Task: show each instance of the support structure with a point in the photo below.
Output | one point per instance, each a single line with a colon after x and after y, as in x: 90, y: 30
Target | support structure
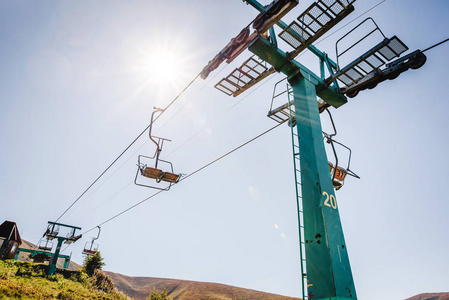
x: 43, y: 253
x: 52, y: 233
x: 328, y: 270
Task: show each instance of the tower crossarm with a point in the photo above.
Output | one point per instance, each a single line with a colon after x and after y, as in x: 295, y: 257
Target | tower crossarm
x: 321, y: 55
x: 278, y: 59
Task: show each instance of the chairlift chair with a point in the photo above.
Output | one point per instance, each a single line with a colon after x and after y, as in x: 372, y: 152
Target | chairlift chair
x: 338, y: 173
x: 338, y: 176
x: 52, y: 231
x: 71, y: 237
x: 91, y: 248
x: 154, y: 172
x: 46, y: 245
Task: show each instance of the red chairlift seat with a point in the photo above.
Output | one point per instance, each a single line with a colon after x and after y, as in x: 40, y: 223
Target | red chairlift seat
x: 338, y: 174
x: 90, y: 248
x: 89, y: 252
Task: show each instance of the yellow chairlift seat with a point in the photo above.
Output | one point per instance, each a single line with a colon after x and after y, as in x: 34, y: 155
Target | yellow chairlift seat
x: 152, y: 173
x: 338, y: 175
x: 159, y: 175
x: 170, y: 177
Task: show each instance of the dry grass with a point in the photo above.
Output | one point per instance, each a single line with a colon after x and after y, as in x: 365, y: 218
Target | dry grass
x: 25, y: 280
x: 140, y: 287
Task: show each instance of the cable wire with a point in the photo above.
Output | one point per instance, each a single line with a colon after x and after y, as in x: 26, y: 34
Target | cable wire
x: 187, y: 176
x: 126, y: 149
x: 437, y: 44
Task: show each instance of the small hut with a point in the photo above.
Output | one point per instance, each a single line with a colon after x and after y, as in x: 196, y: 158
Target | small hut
x: 9, y: 240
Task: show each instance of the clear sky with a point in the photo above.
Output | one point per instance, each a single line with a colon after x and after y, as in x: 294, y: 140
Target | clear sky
x: 79, y: 80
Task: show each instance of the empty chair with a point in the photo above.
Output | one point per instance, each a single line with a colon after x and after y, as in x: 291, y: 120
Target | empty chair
x: 338, y: 175
x: 90, y: 249
x: 45, y: 245
x: 154, y: 172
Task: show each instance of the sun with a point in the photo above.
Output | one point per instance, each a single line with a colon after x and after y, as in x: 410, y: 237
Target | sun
x: 161, y: 67
x: 165, y: 67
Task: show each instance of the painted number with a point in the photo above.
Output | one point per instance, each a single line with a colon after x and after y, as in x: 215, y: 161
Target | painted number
x: 330, y: 200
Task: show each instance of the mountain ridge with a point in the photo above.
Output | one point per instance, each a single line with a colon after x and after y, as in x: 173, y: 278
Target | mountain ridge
x: 140, y: 287
x: 177, y: 289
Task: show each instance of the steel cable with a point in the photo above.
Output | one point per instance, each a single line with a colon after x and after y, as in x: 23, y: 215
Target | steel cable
x: 126, y: 149
x: 187, y: 176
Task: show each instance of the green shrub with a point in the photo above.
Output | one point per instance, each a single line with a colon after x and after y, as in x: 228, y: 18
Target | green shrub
x: 28, y: 269
x: 92, y: 263
x: 80, y: 277
x: 156, y: 296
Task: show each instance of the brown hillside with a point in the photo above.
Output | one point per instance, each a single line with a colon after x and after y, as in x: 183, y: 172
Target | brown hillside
x: 141, y: 287
x: 430, y: 296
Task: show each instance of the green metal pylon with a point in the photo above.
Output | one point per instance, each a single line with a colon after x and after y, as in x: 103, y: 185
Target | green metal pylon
x: 54, y: 258
x: 328, y: 270
x: 51, y: 233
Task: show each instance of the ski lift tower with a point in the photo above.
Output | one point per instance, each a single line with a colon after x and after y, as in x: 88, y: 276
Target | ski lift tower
x: 51, y: 233
x: 326, y: 272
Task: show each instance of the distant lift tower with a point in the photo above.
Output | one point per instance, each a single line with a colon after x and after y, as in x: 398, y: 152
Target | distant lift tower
x: 326, y: 271
x: 52, y: 232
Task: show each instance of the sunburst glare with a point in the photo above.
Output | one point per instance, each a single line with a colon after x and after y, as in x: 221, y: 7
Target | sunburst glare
x: 163, y: 66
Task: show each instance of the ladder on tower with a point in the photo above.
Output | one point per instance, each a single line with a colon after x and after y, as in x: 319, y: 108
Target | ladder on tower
x: 298, y: 187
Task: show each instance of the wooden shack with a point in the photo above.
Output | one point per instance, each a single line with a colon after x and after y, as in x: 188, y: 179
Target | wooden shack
x: 9, y: 240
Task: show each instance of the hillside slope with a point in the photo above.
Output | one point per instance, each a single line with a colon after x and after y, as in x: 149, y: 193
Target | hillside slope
x: 430, y: 296
x: 140, y: 287
x: 27, y: 280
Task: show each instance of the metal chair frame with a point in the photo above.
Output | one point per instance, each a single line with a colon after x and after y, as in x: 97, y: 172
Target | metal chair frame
x: 154, y: 172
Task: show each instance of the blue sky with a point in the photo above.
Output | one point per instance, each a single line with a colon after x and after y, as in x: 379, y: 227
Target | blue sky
x: 78, y: 84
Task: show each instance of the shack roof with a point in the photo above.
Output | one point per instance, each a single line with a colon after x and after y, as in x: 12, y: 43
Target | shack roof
x: 9, y: 231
